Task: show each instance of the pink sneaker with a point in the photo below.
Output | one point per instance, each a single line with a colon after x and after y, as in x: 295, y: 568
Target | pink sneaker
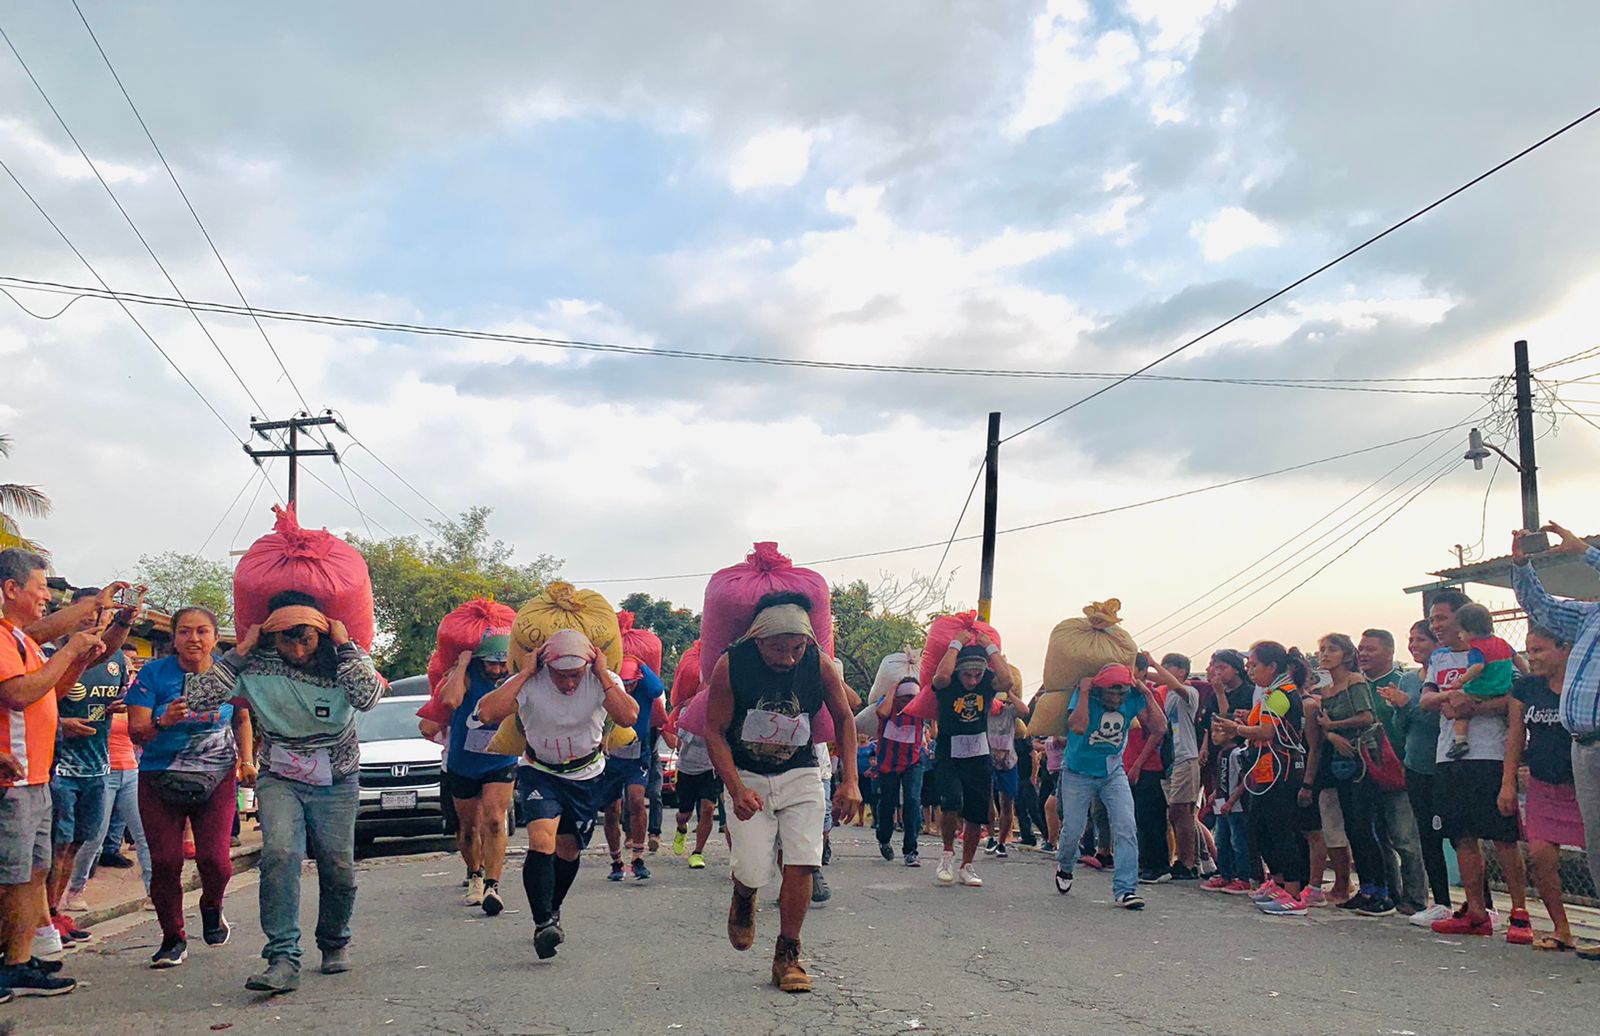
x: 1266, y: 892
x: 1313, y: 897
x: 1284, y: 905
x: 1214, y: 884
x: 1238, y: 887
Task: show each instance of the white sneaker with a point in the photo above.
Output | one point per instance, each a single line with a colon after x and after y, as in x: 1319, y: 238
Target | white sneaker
x: 1425, y: 918
x: 47, y: 944
x: 969, y: 877
x: 946, y: 874
x: 149, y: 905
x: 1208, y: 867
x: 474, y: 894
x: 1494, y: 918
x: 75, y: 903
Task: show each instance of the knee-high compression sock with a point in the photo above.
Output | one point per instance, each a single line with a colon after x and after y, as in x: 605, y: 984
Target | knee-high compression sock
x: 566, y: 872
x: 538, y: 881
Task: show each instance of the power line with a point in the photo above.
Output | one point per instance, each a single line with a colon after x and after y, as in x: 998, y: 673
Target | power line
x: 1362, y: 539
x: 1067, y: 518
x: 426, y: 531
x: 1578, y: 415
x: 190, y: 205
x: 428, y: 330
x: 266, y: 481
x: 143, y: 330
x: 41, y: 316
x: 977, y: 476
x: 1303, y: 279
x: 129, y: 219
x: 1582, y: 354
x: 254, y: 472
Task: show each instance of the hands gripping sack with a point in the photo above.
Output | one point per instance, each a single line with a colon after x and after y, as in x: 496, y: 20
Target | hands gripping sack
x: 561, y: 606
x: 463, y: 629
x: 941, y: 632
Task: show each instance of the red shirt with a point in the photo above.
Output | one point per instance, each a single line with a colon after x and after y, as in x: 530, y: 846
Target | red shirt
x: 1135, y: 745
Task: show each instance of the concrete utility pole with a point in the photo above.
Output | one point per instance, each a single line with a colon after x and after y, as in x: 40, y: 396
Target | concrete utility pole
x: 991, y: 509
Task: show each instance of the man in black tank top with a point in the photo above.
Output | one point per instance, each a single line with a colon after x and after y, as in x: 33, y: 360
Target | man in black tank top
x: 765, y: 694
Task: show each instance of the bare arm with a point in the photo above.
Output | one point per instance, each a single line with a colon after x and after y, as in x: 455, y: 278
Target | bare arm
x: 1516, y: 742
x: 947, y: 666
x: 835, y: 699
x: 719, y: 713
x: 454, y: 690
x: 619, y: 704
x: 58, y: 674
x: 1078, y: 721
x: 501, y: 702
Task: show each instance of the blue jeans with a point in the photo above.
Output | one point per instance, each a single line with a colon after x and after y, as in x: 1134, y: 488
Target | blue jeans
x: 1075, y: 794
x: 122, y: 798
x: 1233, y: 845
x: 901, y: 791
x: 296, y: 818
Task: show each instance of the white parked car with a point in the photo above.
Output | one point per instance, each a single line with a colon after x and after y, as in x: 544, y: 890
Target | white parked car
x: 400, y: 769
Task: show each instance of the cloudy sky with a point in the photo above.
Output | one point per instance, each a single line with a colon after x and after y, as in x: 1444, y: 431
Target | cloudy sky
x: 1070, y: 186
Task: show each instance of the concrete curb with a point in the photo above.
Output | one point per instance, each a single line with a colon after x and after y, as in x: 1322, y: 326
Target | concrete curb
x: 245, y: 858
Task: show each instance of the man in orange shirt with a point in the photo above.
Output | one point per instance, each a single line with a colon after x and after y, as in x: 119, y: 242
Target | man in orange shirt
x: 29, y: 687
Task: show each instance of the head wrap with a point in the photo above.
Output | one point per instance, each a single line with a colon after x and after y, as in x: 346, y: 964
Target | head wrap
x: 972, y: 659
x: 778, y: 620
x: 1114, y: 675
x: 293, y: 615
x: 494, y: 647
x: 907, y: 687
x: 566, y: 650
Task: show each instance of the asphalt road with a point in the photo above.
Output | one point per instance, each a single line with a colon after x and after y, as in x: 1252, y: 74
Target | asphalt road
x: 890, y: 953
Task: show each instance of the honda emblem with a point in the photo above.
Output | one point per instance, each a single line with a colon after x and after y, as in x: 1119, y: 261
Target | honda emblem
x: 400, y: 771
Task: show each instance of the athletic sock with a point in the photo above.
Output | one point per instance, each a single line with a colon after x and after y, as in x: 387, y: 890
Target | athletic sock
x: 566, y: 872
x: 538, y: 880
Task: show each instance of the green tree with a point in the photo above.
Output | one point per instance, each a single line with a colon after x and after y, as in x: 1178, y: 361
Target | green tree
x: 416, y: 583
x: 677, y: 627
x: 18, y: 501
x: 870, y: 622
x: 177, y: 580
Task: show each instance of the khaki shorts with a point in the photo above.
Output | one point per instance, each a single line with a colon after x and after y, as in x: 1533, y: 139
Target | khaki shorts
x: 26, y: 819
x: 1332, y: 819
x: 792, y: 817
x: 1183, y: 787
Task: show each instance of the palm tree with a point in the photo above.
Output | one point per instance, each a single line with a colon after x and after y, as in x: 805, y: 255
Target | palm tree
x: 18, y: 500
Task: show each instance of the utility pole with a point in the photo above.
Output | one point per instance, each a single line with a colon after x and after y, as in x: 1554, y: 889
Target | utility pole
x: 991, y: 508
x: 293, y: 451
x: 1526, y: 465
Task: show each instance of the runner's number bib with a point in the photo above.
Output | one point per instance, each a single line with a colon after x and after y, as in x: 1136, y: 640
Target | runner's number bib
x: 762, y: 727
x: 631, y: 750
x: 969, y: 746
x: 905, y: 734
x: 314, y: 767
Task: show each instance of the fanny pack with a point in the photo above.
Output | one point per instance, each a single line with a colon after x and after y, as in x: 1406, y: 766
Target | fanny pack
x: 560, y: 769
x: 187, y: 788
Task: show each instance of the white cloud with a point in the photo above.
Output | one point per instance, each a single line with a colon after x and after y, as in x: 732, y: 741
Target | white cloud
x: 1071, y: 67
x: 1176, y: 25
x: 776, y: 158
x: 1231, y: 231
x: 61, y: 162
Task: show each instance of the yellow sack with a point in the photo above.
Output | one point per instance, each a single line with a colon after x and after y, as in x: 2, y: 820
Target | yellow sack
x: 560, y: 607
x: 619, y: 737
x: 1078, y: 648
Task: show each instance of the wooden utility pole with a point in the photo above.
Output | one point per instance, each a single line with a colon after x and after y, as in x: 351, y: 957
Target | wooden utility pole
x: 991, y: 510
x: 292, y: 451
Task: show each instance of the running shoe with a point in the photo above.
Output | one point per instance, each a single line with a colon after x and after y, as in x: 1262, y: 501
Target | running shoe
x: 1314, y: 897
x: 214, y: 928
x: 616, y: 871
x: 1182, y: 873
x: 1459, y: 923
x: 48, y: 944
x: 696, y: 862
x: 1063, y: 882
x: 69, y: 931
x: 492, y: 903
x: 1048, y: 848
x: 1521, y: 931
x: 114, y: 860
x: 1238, y: 887
x: 1130, y: 901
x: 912, y: 861
x: 1284, y: 905
x: 640, y: 871
x: 1154, y: 877
x: 1000, y: 853
x: 546, y: 938
x: 969, y: 877
x: 990, y: 847
x: 474, y: 894
x: 1266, y: 892
x: 173, y: 952
x: 886, y: 850
x: 1090, y: 861
x: 1215, y: 884
x: 23, y: 980
x: 820, y: 892
x: 75, y: 902
x: 1379, y: 905
x: 946, y: 875
x: 1208, y: 867
x: 1425, y: 918
x: 680, y: 841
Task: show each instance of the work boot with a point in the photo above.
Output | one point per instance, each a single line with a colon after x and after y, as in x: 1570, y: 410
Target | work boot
x: 742, y: 920
x: 281, y: 976
x: 334, y: 962
x: 787, y: 974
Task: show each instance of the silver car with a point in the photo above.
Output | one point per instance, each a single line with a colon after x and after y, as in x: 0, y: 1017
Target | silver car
x: 400, y: 769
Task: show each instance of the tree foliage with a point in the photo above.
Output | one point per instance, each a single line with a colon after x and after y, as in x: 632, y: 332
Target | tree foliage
x: 416, y: 583
x: 677, y: 627
x: 873, y: 621
x: 178, y: 580
x: 19, y: 501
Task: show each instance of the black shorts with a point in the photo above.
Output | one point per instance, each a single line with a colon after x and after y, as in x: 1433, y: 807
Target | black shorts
x: 963, y: 786
x: 1464, y: 801
x: 698, y: 787
x: 459, y: 787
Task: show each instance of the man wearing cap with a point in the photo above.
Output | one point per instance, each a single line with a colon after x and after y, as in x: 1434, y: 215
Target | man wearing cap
x: 628, y: 771
x: 764, y: 693
x: 1102, y: 708
x: 561, y: 704
x: 478, y: 780
x: 970, y: 674
x: 304, y: 680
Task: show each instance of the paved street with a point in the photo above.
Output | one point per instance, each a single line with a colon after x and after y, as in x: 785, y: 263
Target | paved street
x: 891, y: 953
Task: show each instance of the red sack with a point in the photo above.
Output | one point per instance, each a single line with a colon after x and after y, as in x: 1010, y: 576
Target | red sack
x: 686, y: 681
x: 640, y: 642
x: 731, y: 597
x: 944, y: 629
x: 315, y: 562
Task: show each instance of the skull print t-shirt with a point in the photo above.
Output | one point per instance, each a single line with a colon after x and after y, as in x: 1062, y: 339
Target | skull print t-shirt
x: 1097, y: 752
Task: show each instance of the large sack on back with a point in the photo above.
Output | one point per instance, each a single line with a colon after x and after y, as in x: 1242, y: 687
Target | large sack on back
x: 463, y: 629
x: 639, y: 642
x: 315, y: 562
x: 732, y: 593
x: 1079, y: 648
x: 944, y: 629
x: 686, y: 681
x: 562, y: 606
x: 894, y: 668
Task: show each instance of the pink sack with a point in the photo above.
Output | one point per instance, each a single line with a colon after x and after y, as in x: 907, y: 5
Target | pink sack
x: 640, y: 642
x: 463, y: 629
x: 941, y: 632
x: 314, y: 562
x: 731, y: 597
x: 686, y: 681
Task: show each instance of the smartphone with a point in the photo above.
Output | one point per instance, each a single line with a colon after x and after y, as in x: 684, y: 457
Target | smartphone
x: 1535, y: 543
x: 1141, y: 662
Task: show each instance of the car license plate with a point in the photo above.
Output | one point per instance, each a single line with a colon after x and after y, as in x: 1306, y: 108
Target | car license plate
x: 397, y: 800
